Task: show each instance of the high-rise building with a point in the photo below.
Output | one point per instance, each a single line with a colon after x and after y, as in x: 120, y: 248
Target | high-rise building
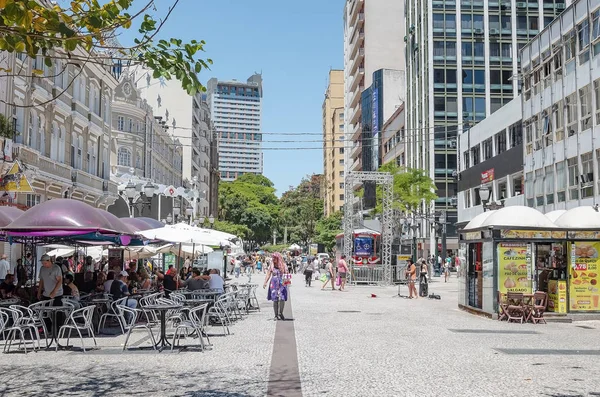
x: 461, y: 58
x: 236, y: 109
x: 333, y: 143
x: 373, y: 32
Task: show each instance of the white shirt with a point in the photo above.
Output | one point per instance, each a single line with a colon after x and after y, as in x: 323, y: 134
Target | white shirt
x: 107, y: 285
x: 4, y: 268
x: 216, y: 282
x: 237, y: 263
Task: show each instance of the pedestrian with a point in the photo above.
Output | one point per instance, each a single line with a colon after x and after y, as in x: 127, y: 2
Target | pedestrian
x: 342, y: 271
x: 237, y: 266
x: 51, y: 286
x: 411, y: 276
x: 330, y: 276
x: 4, y: 268
x: 21, y: 273
x: 277, y: 292
x: 308, y: 271
x: 446, y: 270
x: 423, y: 277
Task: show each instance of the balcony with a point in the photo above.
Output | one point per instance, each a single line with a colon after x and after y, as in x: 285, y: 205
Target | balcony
x: 356, y: 165
x: 356, y: 150
x: 356, y: 130
x: 355, y: 102
x: 356, y: 9
x: 44, y: 165
x: 358, y: 80
x: 357, y: 43
x: 87, y: 180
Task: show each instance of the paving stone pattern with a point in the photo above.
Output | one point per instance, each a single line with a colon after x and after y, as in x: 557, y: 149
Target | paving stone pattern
x: 348, y: 344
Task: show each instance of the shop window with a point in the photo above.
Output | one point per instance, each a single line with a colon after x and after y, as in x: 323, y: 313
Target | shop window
x: 587, y: 175
x: 561, y: 182
x: 539, y: 187
x: 549, y: 182
x: 573, y: 173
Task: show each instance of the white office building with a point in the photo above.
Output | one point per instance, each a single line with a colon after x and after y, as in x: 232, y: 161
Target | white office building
x: 561, y: 111
x: 373, y: 32
x: 236, y: 109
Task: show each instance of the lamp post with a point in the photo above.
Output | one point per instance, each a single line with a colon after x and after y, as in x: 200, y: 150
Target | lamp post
x: 211, y: 220
x: 484, y: 196
x: 132, y: 193
x: 442, y: 221
x: 201, y: 220
x: 188, y: 212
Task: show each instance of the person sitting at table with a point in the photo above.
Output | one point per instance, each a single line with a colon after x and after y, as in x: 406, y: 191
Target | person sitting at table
x: 170, y: 280
x: 144, y: 278
x: 110, y: 277
x: 196, y: 282
x: 100, y: 279
x: 7, y: 287
x: 215, y: 281
x: 89, y: 285
x: 70, y: 288
x: 119, y: 289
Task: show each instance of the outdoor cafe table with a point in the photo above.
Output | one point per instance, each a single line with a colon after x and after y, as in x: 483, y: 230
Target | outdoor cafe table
x: 206, y: 294
x: 9, y: 302
x: 163, y: 309
x: 53, y: 310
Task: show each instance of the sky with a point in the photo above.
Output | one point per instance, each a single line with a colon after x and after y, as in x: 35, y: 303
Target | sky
x: 294, y: 44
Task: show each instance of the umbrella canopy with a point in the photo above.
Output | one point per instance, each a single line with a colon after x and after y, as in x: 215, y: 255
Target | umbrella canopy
x: 136, y: 224
x: 294, y: 247
x: 60, y: 217
x: 185, y: 248
x: 184, y: 233
x: 9, y: 214
x: 117, y: 223
x: 154, y: 224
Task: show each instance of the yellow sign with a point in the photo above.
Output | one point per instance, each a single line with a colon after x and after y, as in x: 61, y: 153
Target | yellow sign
x: 512, y: 268
x: 584, y: 234
x: 583, y: 282
x: 473, y: 236
x: 15, y: 181
x: 532, y: 234
x: 557, y: 296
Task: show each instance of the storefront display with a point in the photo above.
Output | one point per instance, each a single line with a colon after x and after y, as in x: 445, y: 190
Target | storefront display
x: 584, y: 281
x: 514, y: 273
x: 557, y: 296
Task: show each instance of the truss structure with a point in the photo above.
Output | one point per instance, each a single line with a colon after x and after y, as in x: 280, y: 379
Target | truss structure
x: 387, y: 181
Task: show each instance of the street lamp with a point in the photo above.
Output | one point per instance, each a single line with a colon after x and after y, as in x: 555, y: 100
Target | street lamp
x: 149, y: 189
x: 443, y: 222
x: 176, y: 213
x: 211, y: 220
x: 484, y: 196
x: 201, y: 221
x: 188, y: 212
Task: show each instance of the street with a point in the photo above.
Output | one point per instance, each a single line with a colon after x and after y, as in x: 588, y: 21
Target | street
x: 346, y: 344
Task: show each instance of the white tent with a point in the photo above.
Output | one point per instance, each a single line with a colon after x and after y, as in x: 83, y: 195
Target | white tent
x: 65, y: 251
x: 295, y: 247
x: 185, y: 249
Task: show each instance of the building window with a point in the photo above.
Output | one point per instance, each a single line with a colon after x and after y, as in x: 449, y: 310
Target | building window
x: 558, y: 116
x: 570, y: 51
x: 561, y: 182
x: 572, y: 169
x: 539, y: 187
x: 518, y: 185
x: 33, y: 199
x: 587, y: 175
x: 501, y: 142
x: 341, y: 185
x: 549, y: 182
x: 121, y: 123
x: 585, y: 98
x: 583, y: 37
x: 515, y: 134
x: 487, y: 149
x: 571, y: 102
x: 467, y: 162
x: 529, y: 188
x: 342, y: 197
x: 467, y: 196
x: 475, y: 152
x: 124, y: 157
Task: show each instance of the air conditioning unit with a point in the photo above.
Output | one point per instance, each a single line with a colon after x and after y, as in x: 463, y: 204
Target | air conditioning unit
x: 521, y: 5
x: 478, y: 31
x: 494, y: 31
x: 453, y: 144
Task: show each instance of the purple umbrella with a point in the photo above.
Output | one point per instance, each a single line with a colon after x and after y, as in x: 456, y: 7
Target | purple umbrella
x: 9, y: 214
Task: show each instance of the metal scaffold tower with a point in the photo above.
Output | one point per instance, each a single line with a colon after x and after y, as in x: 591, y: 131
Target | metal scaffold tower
x: 387, y: 181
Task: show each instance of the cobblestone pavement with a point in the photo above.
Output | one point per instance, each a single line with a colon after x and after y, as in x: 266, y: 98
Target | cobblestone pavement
x: 347, y: 344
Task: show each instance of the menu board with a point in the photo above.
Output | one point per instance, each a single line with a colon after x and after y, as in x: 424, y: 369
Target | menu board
x: 557, y: 296
x: 584, y: 268
x: 513, y: 268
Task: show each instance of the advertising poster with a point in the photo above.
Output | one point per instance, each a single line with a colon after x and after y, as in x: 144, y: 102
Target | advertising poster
x: 557, y: 296
x: 513, y: 268
x: 363, y: 246
x: 583, y: 289
x: 169, y: 259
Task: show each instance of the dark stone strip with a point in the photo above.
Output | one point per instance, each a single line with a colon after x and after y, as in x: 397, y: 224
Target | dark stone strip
x: 284, y: 377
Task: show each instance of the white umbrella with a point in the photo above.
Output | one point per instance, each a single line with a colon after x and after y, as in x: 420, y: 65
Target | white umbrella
x: 185, y: 234
x: 295, y: 247
x: 186, y: 248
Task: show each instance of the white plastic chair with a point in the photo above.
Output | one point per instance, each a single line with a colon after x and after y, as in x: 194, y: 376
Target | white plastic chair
x: 131, y: 323
x: 115, y: 313
x: 86, y: 314
x: 19, y: 326
x: 195, y: 323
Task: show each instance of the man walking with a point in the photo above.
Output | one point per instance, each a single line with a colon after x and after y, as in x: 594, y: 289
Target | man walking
x: 4, y: 268
x: 51, y: 281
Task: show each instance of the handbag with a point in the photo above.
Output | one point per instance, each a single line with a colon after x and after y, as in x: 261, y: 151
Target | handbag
x: 323, y: 278
x: 287, y: 279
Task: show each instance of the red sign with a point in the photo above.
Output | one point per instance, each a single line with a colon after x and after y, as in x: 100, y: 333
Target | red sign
x: 487, y: 176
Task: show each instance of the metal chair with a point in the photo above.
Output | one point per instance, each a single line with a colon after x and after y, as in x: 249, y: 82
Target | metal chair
x: 131, y: 323
x: 114, y: 313
x: 86, y: 314
x: 19, y: 325
x: 218, y: 311
x: 32, y: 317
x: 195, y: 324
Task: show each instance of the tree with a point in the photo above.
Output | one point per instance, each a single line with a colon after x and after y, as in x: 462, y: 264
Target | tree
x: 301, y: 208
x: 86, y: 31
x: 241, y: 231
x: 327, y: 229
x: 411, y: 188
x: 6, y: 128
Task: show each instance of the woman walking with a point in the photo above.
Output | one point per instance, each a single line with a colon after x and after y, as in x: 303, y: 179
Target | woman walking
x: 342, y: 271
x: 277, y: 292
x: 330, y: 274
x: 308, y: 271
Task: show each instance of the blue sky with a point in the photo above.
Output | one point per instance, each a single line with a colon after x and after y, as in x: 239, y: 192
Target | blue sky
x: 294, y: 44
